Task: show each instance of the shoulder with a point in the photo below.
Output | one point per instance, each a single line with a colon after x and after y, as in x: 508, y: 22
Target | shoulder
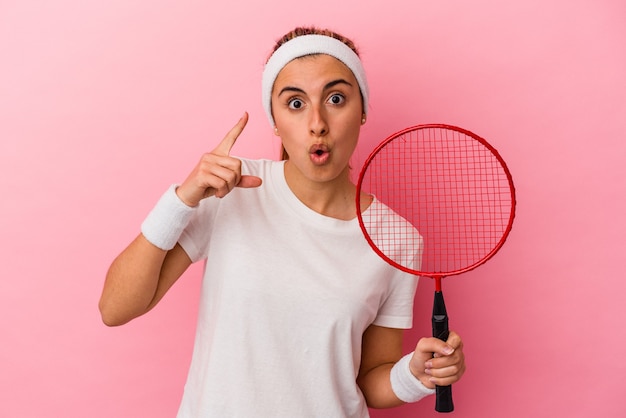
x: 259, y: 167
x: 379, y: 215
x: 406, y: 244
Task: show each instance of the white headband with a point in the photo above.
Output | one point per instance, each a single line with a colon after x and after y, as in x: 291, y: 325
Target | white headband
x: 309, y: 45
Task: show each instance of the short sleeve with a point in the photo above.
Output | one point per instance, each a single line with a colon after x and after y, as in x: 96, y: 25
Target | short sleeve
x: 397, y: 308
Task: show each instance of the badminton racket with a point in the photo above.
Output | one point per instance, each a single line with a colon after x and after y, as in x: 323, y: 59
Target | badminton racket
x: 443, y: 204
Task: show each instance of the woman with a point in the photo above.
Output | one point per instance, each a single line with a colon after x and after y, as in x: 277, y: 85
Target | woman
x: 298, y: 316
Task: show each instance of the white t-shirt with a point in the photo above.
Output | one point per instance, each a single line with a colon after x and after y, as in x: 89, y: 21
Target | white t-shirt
x: 286, y: 296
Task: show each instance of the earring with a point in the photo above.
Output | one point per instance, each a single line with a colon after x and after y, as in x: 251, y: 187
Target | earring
x: 363, y: 121
x: 275, y: 130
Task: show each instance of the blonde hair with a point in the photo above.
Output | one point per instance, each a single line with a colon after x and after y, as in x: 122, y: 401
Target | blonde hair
x: 312, y: 30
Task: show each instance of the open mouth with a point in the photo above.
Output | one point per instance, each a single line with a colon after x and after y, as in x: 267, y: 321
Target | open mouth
x: 319, y: 153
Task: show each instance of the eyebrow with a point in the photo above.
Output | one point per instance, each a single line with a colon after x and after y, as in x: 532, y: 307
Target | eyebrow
x: 328, y: 85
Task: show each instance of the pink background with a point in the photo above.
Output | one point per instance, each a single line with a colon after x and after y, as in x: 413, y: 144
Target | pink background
x: 105, y: 103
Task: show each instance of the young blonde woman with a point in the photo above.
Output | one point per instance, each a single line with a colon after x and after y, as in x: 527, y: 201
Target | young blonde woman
x: 298, y: 316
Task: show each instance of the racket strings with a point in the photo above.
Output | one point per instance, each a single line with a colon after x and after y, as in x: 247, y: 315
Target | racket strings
x: 450, y: 187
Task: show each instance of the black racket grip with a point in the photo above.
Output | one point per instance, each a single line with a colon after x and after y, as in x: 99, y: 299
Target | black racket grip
x: 443, y: 402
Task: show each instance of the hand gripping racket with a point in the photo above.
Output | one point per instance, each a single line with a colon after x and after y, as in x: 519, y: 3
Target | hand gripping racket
x: 454, y: 189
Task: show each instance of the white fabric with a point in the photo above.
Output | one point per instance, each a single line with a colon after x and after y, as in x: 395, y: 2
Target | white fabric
x: 405, y: 385
x: 308, y: 45
x: 286, y: 296
x: 167, y: 220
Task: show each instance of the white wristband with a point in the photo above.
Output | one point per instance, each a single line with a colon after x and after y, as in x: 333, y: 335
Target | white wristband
x: 167, y: 220
x: 405, y: 385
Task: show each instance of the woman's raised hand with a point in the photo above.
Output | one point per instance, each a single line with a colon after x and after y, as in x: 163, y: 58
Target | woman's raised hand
x: 217, y: 173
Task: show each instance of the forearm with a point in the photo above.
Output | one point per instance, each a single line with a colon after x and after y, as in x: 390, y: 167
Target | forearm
x: 376, y: 388
x: 137, y: 279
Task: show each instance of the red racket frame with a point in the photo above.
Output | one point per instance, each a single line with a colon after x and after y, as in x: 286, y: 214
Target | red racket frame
x: 433, y: 274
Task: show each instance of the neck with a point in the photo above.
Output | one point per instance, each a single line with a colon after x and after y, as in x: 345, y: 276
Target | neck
x: 333, y: 198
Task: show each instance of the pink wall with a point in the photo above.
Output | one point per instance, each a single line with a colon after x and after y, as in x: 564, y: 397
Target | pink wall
x: 103, y: 104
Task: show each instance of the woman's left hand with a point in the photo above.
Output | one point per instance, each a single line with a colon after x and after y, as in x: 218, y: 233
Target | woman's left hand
x: 437, y: 362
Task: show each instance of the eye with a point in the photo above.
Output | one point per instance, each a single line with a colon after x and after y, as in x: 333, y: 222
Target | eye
x: 336, y: 99
x: 295, y: 104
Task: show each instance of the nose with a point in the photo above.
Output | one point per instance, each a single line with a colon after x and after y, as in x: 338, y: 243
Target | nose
x: 317, y: 121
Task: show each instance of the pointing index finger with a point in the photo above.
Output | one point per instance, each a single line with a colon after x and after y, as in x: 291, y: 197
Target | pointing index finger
x: 229, y: 140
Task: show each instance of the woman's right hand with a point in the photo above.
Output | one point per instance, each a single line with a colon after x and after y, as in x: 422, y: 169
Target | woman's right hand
x: 217, y: 173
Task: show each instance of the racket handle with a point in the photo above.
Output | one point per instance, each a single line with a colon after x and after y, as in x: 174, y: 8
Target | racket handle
x: 443, y: 402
